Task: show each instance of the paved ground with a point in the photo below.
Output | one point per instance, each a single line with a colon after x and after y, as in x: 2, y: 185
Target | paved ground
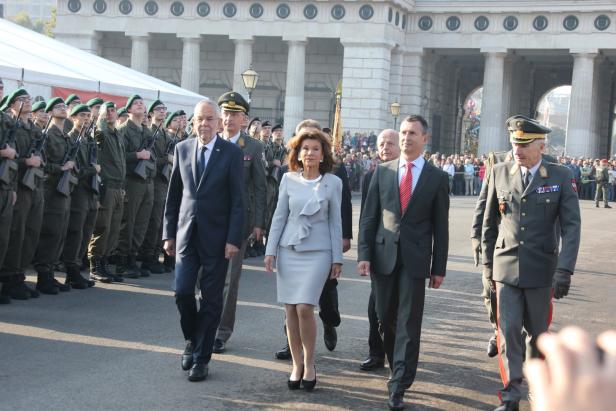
x: 117, y: 346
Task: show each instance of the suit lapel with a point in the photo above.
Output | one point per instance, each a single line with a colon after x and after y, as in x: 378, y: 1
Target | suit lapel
x: 393, y: 170
x: 515, y: 176
x: 214, y: 156
x: 535, y: 182
x: 193, y: 161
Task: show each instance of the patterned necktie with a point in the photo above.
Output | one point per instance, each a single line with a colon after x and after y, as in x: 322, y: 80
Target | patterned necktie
x: 201, y: 167
x: 527, y: 178
x: 406, y: 187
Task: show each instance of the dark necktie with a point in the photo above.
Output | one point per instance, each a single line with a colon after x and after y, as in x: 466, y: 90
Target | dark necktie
x: 201, y: 162
x: 527, y: 178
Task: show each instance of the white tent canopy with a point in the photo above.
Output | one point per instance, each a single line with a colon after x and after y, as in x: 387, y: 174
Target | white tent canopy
x: 34, y: 59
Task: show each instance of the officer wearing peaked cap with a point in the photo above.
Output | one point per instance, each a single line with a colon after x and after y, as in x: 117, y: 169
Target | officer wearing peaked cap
x: 526, y: 198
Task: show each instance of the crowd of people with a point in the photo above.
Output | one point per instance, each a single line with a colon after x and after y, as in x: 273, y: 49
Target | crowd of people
x: 127, y: 192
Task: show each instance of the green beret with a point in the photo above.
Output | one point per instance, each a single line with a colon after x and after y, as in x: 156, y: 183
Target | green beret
x: 109, y: 104
x: 52, y: 103
x: 80, y: 108
x: 153, y: 105
x: 524, y: 130
x: 122, y: 112
x: 252, y: 120
x: 94, y: 102
x: 266, y: 124
x: 232, y: 101
x: 71, y: 98
x: 39, y: 105
x: 181, y: 113
x: 277, y: 127
x: 12, y: 97
x: 170, y: 117
x: 131, y: 100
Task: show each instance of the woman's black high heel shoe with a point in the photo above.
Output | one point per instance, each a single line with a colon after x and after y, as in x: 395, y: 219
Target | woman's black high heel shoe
x: 308, y: 385
x: 294, y: 385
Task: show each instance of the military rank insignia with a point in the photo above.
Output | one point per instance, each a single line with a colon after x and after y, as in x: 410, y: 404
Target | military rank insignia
x: 574, y: 185
x: 548, y: 189
x: 247, y: 157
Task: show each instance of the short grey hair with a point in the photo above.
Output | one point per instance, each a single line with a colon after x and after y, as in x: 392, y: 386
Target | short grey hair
x: 387, y: 132
x: 209, y: 101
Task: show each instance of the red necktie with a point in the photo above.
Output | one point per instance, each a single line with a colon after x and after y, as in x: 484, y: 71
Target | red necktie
x: 406, y: 186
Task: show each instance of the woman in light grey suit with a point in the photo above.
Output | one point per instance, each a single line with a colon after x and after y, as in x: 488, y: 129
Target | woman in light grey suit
x: 305, y: 243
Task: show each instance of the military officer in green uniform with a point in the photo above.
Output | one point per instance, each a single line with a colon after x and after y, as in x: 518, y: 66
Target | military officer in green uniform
x: 139, y: 190
x: 57, y: 205
x: 526, y: 198
x: 234, y: 107
x: 84, y: 201
x: 8, y: 197
x: 112, y: 161
x: 28, y: 209
x: 152, y: 242
x: 602, y: 180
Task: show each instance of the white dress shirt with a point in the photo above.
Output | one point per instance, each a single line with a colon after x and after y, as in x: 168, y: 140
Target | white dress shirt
x: 418, y: 165
x: 235, y: 138
x: 208, y: 152
x: 532, y: 170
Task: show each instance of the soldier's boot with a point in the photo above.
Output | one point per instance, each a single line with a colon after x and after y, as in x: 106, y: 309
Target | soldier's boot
x: 74, y: 278
x: 5, y: 291
x: 124, y: 269
x: 21, y: 280
x: 169, y: 263
x: 62, y: 287
x: 45, y: 284
x: 107, y: 268
x: 152, y: 265
x: 132, y: 264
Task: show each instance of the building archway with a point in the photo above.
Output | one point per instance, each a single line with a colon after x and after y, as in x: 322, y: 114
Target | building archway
x: 553, y: 111
x: 471, y: 121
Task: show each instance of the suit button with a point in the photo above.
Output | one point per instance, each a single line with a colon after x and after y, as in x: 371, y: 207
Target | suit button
x: 523, y: 214
x: 523, y: 200
x: 522, y: 242
x: 523, y: 228
x: 547, y: 200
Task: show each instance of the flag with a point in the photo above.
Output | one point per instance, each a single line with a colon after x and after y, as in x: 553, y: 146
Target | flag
x: 337, y: 128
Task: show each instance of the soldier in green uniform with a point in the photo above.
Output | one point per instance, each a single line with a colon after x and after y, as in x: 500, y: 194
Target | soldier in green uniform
x: 71, y: 101
x: 112, y: 161
x: 525, y: 200
x: 8, y: 197
x: 152, y: 242
x: 84, y: 202
x: 94, y: 104
x: 602, y: 180
x: 122, y: 115
x: 39, y: 115
x: 139, y: 190
x: 28, y: 209
x: 57, y: 205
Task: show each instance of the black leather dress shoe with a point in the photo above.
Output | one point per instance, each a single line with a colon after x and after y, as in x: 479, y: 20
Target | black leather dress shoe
x: 219, y: 346
x: 330, y: 337
x: 508, y: 406
x: 284, y: 354
x: 187, y: 357
x: 198, y: 372
x: 395, y: 402
x: 371, y: 364
x: 492, y: 347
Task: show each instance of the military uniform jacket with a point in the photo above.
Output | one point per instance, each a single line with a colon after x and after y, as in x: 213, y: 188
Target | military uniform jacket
x: 254, y: 183
x: 85, y: 170
x: 134, y: 138
x: 111, y: 154
x: 519, y: 240
x: 25, y: 134
x: 160, y: 151
x: 5, y: 127
x: 58, y: 144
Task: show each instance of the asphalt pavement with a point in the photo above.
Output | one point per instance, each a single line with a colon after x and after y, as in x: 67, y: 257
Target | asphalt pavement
x: 118, y: 346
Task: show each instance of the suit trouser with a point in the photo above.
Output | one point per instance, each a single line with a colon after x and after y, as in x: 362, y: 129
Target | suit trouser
x: 53, y: 230
x: 601, y: 192
x: 489, y: 300
x: 6, y: 216
x: 375, y: 341
x: 108, y: 220
x: 80, y: 227
x: 519, y: 308
x: 137, y: 212
x: 152, y: 242
x: 232, y: 285
x: 399, y: 306
x: 199, y: 326
x: 25, y: 229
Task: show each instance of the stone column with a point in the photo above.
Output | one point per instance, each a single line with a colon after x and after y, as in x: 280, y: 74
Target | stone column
x: 395, y: 77
x: 492, y: 134
x: 581, y: 139
x: 294, y: 89
x: 365, y: 86
x: 140, y: 56
x: 191, y: 70
x: 243, y: 60
x: 412, y: 81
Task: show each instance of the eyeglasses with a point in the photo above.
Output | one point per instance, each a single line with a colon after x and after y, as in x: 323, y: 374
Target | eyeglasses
x: 59, y: 107
x: 160, y: 108
x: 24, y: 98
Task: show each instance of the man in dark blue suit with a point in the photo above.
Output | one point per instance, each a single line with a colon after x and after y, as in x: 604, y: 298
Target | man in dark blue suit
x: 203, y: 224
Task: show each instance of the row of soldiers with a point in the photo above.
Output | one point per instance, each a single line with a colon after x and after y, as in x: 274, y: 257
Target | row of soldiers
x: 82, y: 179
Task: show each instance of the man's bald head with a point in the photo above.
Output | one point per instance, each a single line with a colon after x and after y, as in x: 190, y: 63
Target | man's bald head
x: 388, y: 144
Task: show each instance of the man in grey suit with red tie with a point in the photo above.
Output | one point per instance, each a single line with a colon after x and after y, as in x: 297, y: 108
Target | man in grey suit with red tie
x: 403, y: 240
x: 203, y: 222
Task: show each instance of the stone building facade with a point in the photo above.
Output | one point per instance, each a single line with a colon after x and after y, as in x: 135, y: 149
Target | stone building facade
x: 428, y: 55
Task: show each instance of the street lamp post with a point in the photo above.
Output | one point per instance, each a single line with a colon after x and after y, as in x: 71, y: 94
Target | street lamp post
x: 395, y: 112
x: 250, y: 78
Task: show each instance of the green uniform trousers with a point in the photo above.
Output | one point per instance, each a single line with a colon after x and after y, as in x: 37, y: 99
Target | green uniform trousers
x: 56, y: 214
x: 602, y: 192
x: 137, y: 212
x: 80, y: 226
x: 6, y: 216
x: 152, y: 242
x: 25, y: 229
x: 108, y: 221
